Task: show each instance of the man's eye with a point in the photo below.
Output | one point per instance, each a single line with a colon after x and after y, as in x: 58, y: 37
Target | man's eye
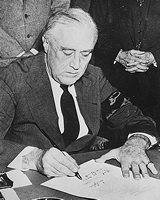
x: 67, y: 52
x: 85, y: 54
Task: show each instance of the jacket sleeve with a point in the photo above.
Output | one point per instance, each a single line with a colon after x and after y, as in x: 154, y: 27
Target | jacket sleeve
x: 9, y: 47
x: 8, y: 149
x: 122, y: 117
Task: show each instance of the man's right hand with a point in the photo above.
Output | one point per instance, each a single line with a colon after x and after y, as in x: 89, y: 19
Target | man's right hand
x: 51, y: 162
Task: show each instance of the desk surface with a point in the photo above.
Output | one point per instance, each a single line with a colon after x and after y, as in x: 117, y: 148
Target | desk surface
x: 36, y: 190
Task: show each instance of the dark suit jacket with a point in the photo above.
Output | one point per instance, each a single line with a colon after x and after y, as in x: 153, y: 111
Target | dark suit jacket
x: 28, y: 115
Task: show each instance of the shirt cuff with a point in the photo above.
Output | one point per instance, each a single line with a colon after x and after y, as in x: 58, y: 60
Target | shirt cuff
x: 34, y: 51
x: 154, y: 63
x: 19, y: 55
x: 17, y: 162
x: 152, y: 139
x: 117, y: 57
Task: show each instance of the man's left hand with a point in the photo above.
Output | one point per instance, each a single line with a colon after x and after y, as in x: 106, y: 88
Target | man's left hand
x: 132, y: 156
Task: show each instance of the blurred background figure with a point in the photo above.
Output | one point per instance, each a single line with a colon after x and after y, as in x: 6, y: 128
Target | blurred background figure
x: 128, y: 49
x: 22, y: 24
x: 83, y: 4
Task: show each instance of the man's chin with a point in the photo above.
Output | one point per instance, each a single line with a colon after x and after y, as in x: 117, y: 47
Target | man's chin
x: 71, y: 81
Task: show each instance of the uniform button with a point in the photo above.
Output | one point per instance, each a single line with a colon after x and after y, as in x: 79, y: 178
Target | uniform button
x: 28, y: 35
x: 139, y: 31
x: 140, y: 22
x: 26, y: 16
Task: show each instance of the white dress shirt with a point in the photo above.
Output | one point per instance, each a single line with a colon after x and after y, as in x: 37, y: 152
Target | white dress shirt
x: 57, y: 91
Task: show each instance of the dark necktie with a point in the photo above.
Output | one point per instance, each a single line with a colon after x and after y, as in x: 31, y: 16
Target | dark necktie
x: 71, y: 123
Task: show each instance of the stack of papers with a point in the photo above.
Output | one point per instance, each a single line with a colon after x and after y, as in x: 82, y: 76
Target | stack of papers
x: 103, y: 181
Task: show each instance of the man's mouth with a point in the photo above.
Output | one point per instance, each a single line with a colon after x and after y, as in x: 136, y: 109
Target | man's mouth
x: 72, y: 73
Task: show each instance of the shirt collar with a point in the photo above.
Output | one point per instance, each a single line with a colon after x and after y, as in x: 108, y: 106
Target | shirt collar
x: 56, y: 86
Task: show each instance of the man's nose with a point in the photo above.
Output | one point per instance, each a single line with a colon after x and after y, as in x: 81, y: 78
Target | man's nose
x: 75, y: 62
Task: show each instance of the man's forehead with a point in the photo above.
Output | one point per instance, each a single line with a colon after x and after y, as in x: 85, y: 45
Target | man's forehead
x: 74, y: 37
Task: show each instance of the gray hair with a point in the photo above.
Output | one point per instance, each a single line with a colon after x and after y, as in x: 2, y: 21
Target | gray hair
x: 69, y: 17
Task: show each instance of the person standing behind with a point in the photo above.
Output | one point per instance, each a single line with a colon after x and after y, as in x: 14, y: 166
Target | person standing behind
x: 128, y: 49
x: 21, y: 26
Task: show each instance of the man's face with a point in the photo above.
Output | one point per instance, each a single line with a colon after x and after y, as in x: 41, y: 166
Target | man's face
x: 69, y: 52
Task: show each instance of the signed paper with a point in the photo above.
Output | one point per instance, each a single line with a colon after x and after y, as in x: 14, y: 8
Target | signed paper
x: 103, y: 181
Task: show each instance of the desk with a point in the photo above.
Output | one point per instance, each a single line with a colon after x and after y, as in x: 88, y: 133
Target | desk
x: 36, y: 190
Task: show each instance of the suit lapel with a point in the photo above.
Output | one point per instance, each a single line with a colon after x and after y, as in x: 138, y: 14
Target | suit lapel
x: 42, y: 106
x: 88, y: 103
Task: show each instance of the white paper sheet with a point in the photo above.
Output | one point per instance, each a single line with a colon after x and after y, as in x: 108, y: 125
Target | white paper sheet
x: 19, y: 178
x: 9, y: 194
x: 105, y: 182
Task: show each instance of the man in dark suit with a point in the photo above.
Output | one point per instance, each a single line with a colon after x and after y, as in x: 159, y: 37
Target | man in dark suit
x: 129, y: 33
x: 32, y: 124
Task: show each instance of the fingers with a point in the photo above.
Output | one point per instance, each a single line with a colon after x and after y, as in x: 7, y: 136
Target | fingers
x: 125, y: 170
x: 137, y: 68
x: 138, y: 166
x: 152, y: 168
x: 57, y: 163
x: 54, y: 168
x: 134, y: 70
x: 137, y: 169
x: 136, y: 52
x: 50, y: 171
x: 144, y: 170
x: 70, y: 159
x: 138, y: 65
x: 111, y: 154
x: 131, y: 69
x: 136, y: 61
x: 99, y: 144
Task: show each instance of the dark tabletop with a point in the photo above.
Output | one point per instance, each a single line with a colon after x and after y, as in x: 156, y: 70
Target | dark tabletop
x: 36, y: 190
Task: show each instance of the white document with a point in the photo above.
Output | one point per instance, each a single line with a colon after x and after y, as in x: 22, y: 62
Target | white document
x: 105, y: 182
x: 9, y: 194
x: 19, y: 178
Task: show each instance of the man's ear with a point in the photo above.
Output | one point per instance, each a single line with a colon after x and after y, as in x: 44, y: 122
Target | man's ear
x: 45, y: 43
